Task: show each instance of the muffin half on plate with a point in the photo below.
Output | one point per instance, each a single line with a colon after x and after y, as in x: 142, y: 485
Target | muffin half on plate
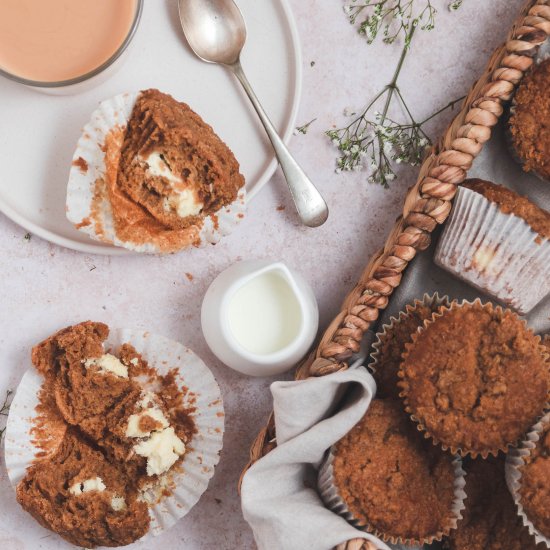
x: 150, y: 175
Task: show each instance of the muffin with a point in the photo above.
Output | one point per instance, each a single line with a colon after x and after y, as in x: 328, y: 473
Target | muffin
x: 116, y: 470
x: 529, y: 123
x: 149, y: 174
x: 84, y: 498
x: 489, y: 521
x: 390, y: 343
x: 535, y: 484
x: 93, y: 390
x: 388, y: 480
x: 528, y: 476
x: 498, y: 242
x: 475, y: 378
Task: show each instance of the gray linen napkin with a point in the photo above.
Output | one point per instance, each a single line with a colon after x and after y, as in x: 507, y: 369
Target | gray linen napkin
x: 278, y: 494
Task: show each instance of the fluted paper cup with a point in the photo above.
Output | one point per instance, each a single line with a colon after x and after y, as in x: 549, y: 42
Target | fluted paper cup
x: 187, y: 482
x: 497, y: 253
x: 95, y: 163
x: 515, y: 460
x: 332, y: 499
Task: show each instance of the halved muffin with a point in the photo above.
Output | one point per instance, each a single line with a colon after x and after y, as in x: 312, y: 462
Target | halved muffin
x: 83, y: 497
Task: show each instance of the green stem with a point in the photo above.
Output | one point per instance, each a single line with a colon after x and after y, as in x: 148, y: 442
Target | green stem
x: 449, y: 105
x: 413, y: 122
x: 392, y: 86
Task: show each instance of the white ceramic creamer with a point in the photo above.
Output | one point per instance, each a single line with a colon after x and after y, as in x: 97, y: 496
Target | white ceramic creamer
x: 259, y: 317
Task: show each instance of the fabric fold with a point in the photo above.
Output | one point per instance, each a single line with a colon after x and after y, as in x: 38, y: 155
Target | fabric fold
x: 278, y: 493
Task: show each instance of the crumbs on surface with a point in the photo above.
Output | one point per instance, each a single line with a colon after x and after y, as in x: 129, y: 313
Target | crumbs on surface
x: 81, y: 164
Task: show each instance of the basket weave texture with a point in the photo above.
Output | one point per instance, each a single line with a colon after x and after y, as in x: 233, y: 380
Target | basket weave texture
x: 427, y: 204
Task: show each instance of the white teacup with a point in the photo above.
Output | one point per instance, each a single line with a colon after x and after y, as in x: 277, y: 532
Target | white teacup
x: 259, y: 317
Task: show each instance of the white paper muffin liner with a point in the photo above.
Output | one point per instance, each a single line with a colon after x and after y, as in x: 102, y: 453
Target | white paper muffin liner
x: 190, y: 480
x: 111, y: 114
x: 332, y: 499
x: 427, y: 300
x: 494, y: 252
x: 514, y: 461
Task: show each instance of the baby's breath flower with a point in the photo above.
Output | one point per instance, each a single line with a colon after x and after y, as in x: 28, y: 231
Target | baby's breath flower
x: 372, y: 139
x: 391, y: 18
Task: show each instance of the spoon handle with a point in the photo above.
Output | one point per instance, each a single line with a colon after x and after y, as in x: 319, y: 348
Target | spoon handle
x: 311, y: 206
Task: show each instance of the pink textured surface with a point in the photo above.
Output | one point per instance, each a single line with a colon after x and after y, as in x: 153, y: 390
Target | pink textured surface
x: 45, y: 287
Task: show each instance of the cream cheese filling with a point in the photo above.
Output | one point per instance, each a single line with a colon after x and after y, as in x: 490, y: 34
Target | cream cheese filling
x: 161, y: 447
x: 108, y: 364
x: 183, y: 199
x: 87, y: 486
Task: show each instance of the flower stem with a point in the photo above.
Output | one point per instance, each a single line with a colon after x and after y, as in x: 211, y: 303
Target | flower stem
x: 449, y: 105
x: 392, y: 86
x: 4, y: 411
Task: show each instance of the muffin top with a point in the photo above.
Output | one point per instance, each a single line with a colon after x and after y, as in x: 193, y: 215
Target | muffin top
x: 392, y: 479
x: 490, y: 520
x: 535, y: 490
x: 475, y: 378
x: 510, y: 202
x: 530, y: 120
x: 391, y: 347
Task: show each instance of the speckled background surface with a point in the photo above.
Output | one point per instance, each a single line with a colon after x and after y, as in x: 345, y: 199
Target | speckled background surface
x: 45, y: 287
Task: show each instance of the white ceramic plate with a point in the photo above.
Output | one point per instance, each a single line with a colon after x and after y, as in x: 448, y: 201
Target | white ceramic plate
x: 38, y: 132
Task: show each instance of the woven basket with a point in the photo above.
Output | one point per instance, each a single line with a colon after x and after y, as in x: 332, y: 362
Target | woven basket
x: 427, y: 204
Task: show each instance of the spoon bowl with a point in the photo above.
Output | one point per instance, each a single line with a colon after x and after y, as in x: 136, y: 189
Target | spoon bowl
x: 216, y: 32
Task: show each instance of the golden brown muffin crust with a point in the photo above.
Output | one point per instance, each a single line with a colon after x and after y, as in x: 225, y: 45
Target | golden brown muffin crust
x: 391, y: 478
x: 530, y: 120
x: 535, y: 484
x: 512, y: 203
x: 490, y: 520
x: 392, y: 346
x: 475, y: 378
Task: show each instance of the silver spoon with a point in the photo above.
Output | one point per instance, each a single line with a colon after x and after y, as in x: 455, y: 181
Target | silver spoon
x: 216, y: 32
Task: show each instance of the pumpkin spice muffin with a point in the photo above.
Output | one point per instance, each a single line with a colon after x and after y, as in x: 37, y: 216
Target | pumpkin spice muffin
x: 392, y: 481
x: 490, y: 520
x: 158, y: 178
x: 510, y: 202
x: 390, y: 344
x: 534, y: 484
x: 475, y: 378
x: 173, y: 165
x: 122, y: 439
x: 529, y: 124
x: 498, y: 242
x: 93, y: 390
x: 83, y: 497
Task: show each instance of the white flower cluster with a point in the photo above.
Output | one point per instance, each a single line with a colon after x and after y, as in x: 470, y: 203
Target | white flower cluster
x: 391, y: 17
x: 378, y: 144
